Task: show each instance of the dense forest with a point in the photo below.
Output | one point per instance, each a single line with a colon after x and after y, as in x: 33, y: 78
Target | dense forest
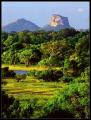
x: 67, y: 49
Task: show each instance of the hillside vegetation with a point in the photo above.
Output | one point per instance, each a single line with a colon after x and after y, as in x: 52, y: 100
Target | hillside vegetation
x: 57, y: 82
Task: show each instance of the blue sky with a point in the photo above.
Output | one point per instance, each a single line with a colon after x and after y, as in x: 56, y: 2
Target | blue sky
x: 40, y: 12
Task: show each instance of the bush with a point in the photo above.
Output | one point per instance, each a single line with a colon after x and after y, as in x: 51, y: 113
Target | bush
x: 4, y: 71
x: 66, y: 79
x: 51, y: 61
x: 11, y: 73
x: 31, y: 73
x: 11, y: 108
x: 7, y: 73
x: 84, y: 77
x: 6, y: 102
x: 74, y: 99
x: 20, y: 77
x: 47, y: 75
x: 43, y: 62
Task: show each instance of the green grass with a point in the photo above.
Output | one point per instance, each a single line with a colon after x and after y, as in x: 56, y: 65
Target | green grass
x: 23, y: 67
x: 31, y: 87
x: 33, y: 91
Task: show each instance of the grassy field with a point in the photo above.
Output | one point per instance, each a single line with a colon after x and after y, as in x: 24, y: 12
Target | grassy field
x: 32, y: 90
x: 22, y: 67
x: 36, y: 94
x: 31, y: 87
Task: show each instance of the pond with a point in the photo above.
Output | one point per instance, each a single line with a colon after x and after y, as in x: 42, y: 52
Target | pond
x: 21, y: 72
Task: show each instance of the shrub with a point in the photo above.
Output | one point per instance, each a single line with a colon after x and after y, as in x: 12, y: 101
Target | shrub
x: 11, y: 73
x: 51, y: 61
x: 42, y: 62
x: 47, y: 75
x: 20, y: 77
x: 31, y: 73
x: 7, y: 73
x: 11, y: 108
x: 75, y: 99
x: 6, y: 102
x: 66, y: 79
x: 84, y: 77
x: 4, y: 72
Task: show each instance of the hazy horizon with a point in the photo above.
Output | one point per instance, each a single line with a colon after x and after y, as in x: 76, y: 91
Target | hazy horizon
x: 40, y: 12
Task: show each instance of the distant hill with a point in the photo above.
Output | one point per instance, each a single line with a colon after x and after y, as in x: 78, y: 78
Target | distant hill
x: 20, y: 25
x: 56, y: 23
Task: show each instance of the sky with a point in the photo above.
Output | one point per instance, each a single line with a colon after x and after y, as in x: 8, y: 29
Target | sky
x: 41, y: 12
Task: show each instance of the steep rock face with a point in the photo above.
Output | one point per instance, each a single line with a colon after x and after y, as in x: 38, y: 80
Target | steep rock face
x: 20, y: 25
x: 59, y: 20
x: 57, y: 23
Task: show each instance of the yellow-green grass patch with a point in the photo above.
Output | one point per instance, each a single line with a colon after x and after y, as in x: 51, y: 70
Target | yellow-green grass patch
x: 31, y: 87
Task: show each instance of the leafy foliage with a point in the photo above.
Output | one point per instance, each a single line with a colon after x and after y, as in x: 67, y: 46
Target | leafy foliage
x: 73, y: 101
x: 7, y: 73
x: 67, y: 49
x: 48, y: 75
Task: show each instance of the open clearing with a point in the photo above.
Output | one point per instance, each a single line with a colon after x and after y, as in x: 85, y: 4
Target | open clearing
x: 31, y: 87
x: 22, y: 67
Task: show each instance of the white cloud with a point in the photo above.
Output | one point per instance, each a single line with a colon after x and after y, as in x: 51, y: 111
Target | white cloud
x: 80, y: 10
